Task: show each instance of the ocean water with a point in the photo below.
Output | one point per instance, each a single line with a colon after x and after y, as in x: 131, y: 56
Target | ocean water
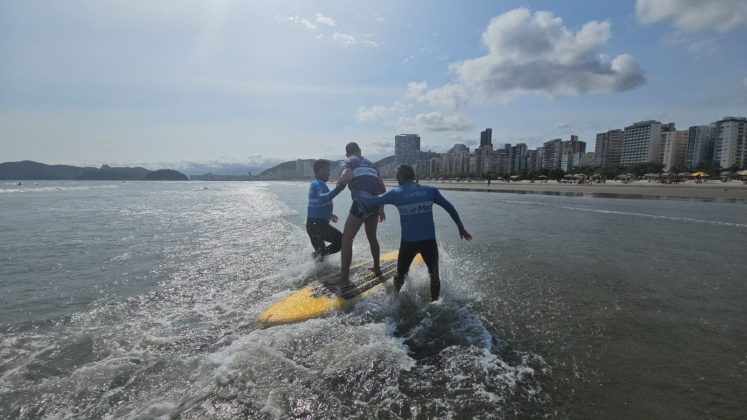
x: 140, y: 300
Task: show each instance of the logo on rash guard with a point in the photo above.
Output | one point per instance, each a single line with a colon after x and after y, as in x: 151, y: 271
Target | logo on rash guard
x: 416, y: 208
x: 361, y: 171
x: 314, y: 202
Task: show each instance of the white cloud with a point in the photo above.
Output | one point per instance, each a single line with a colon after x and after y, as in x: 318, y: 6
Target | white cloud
x: 449, y: 97
x: 379, y: 113
x: 437, y: 121
x: 536, y: 53
x: 300, y: 20
x: 346, y: 39
x: 325, y: 20
x: 691, y: 15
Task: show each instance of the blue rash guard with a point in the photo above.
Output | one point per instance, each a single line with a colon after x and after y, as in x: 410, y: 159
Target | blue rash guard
x: 415, y: 205
x: 320, y: 200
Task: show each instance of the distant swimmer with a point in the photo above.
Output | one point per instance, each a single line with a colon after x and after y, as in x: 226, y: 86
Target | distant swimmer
x: 359, y: 174
x: 415, y: 205
x: 319, y: 213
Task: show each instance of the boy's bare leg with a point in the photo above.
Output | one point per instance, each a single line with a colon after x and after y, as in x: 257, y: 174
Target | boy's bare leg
x: 352, y: 225
x: 371, y: 224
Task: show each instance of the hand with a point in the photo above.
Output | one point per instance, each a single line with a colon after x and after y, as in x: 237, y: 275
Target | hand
x: 334, y: 219
x: 464, y: 234
x: 340, y: 185
x: 382, y: 215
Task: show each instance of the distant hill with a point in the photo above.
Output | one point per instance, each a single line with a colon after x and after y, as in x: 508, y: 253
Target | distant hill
x: 166, y: 175
x: 29, y: 170
x: 38, y: 171
x: 107, y: 172
x: 386, y: 161
x: 279, y: 168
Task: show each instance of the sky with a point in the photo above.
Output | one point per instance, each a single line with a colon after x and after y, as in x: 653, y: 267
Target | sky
x: 174, y: 83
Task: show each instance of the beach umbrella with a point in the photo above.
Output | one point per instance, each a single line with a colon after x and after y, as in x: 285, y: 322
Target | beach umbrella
x: 514, y: 177
x: 545, y: 176
x: 743, y: 173
x: 683, y: 174
x: 701, y: 173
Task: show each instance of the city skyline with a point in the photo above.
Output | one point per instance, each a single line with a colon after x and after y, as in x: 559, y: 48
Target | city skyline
x: 229, y: 83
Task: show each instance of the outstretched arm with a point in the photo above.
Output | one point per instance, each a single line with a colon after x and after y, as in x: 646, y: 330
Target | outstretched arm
x: 329, y: 196
x: 441, y: 201
x: 367, y: 200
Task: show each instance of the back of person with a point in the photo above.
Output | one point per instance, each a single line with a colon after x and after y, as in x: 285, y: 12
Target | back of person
x: 365, y: 174
x: 415, y: 205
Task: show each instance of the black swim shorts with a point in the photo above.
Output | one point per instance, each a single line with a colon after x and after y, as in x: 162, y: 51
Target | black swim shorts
x: 361, y: 212
x: 428, y: 249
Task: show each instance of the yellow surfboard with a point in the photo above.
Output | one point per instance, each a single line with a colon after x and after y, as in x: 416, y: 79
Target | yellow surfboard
x: 320, y: 298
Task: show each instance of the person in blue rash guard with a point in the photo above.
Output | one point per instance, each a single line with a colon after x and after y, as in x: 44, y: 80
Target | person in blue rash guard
x: 319, y: 213
x: 415, y: 205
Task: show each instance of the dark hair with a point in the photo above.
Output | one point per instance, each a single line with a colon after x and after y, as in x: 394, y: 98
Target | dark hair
x: 352, y: 148
x: 406, y: 173
x: 319, y: 164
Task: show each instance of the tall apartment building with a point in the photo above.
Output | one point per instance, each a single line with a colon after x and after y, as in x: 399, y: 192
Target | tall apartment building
x: 486, y: 137
x: 551, y: 155
x: 700, y: 141
x: 673, y: 149
x: 608, y: 149
x: 305, y: 168
x: 642, y: 141
x: 534, y: 159
x: 485, y: 160
x: 518, y: 158
x: 455, y: 161
x: 558, y: 154
x: 731, y: 142
x: 406, y: 148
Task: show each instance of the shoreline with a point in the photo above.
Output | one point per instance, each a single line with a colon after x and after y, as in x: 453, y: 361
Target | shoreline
x: 733, y: 191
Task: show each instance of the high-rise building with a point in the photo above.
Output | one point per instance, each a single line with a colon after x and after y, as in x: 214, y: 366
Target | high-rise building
x: 534, y: 159
x: 559, y: 154
x: 700, y: 142
x: 518, y: 158
x: 608, y: 149
x: 673, y: 149
x: 486, y: 137
x: 731, y: 142
x: 551, y: 155
x: 455, y: 161
x: 641, y: 142
x: 406, y: 148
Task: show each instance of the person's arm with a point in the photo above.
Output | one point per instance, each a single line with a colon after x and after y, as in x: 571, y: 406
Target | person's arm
x: 446, y: 205
x: 329, y: 196
x: 382, y: 189
x: 345, y: 177
x: 369, y: 201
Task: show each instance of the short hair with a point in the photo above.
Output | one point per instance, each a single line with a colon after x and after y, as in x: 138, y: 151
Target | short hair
x: 319, y: 164
x: 352, y: 148
x: 406, y: 172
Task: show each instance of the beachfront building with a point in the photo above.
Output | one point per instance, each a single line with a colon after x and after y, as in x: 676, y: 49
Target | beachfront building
x: 534, y: 159
x: 305, y: 168
x: 673, y: 149
x: 641, y: 142
x: 608, y: 149
x: 455, y: 161
x: 587, y: 159
x: 486, y: 137
x: 406, y: 149
x: 551, y: 155
x: 731, y: 142
x: 427, y: 168
x: 700, y: 141
x: 518, y: 157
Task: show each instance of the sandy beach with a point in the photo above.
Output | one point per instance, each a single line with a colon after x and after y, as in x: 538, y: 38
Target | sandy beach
x: 733, y: 191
